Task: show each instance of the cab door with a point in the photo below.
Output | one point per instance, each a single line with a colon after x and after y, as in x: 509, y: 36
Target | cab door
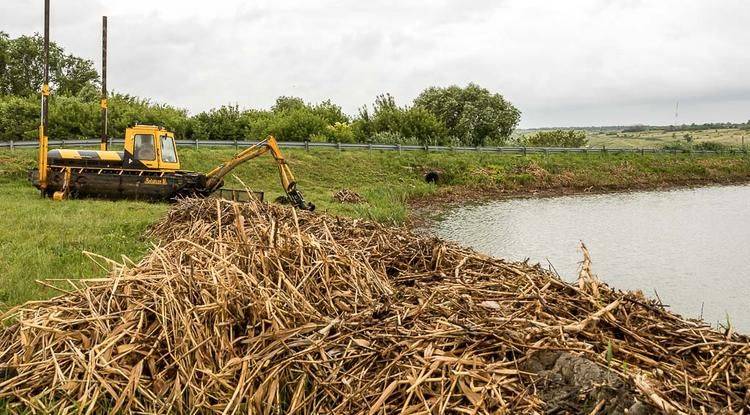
x: 168, y: 159
x: 144, y: 149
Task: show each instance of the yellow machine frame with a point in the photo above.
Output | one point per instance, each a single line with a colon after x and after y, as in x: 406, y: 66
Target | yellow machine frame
x: 287, y: 178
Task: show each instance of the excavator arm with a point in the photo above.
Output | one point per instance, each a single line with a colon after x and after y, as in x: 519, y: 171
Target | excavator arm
x: 215, y: 178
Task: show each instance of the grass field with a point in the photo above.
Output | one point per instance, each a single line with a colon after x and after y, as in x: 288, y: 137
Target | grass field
x: 731, y: 137
x: 42, y: 239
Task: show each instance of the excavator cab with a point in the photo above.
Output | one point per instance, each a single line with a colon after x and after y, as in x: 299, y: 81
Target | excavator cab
x: 150, y: 147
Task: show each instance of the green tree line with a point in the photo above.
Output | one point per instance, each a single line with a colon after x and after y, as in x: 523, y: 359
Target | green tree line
x: 470, y: 115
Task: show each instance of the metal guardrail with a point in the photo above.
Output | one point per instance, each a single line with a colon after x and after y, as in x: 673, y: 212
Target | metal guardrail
x: 384, y: 147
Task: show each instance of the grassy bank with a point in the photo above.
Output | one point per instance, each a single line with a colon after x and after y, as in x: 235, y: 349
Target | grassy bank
x: 43, y: 239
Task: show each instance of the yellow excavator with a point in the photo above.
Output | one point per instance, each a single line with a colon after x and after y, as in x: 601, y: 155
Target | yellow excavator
x: 148, y: 168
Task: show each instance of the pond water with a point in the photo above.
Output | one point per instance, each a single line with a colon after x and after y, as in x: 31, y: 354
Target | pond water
x: 689, y: 246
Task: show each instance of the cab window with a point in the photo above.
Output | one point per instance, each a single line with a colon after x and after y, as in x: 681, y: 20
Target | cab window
x: 168, y: 153
x: 144, y: 147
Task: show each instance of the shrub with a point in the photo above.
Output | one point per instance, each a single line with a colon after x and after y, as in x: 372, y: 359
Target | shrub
x: 340, y: 133
x: 19, y: 118
x: 297, y: 125
x: 414, y: 124
x: 677, y: 145
x: 557, y: 138
x: 71, y: 117
x: 703, y: 146
x: 711, y: 146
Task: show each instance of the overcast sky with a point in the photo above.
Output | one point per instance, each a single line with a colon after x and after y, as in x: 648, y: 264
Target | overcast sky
x: 562, y: 63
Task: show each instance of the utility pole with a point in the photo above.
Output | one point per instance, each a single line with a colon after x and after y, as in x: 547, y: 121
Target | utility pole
x: 43, y: 142
x: 103, y: 145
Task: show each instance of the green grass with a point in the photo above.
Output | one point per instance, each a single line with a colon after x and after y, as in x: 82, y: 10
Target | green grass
x: 40, y: 238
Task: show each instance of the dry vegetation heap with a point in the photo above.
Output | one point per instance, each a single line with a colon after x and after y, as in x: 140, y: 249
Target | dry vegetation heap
x: 348, y: 196
x: 260, y: 309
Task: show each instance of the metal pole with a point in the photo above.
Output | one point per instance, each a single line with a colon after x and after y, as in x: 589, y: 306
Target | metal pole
x: 45, y: 106
x: 104, y: 142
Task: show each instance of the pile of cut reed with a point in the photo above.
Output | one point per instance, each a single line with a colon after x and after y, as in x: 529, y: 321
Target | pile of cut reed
x: 262, y: 309
x: 348, y: 196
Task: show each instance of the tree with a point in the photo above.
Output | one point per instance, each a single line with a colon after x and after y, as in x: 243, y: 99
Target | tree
x: 74, y: 75
x: 386, y: 115
x: 330, y: 112
x: 472, y: 114
x: 286, y: 104
x: 22, y: 68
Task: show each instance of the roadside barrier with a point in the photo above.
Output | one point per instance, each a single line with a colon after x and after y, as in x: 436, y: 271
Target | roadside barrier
x: 384, y: 147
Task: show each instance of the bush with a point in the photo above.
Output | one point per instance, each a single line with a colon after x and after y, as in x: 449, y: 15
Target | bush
x: 340, y: 133
x: 71, y: 117
x: 297, y: 125
x: 703, y: 146
x: 557, y: 138
x: 126, y: 110
x: 415, y: 124
x: 711, y: 146
x: 677, y: 145
x: 222, y: 123
x: 19, y: 118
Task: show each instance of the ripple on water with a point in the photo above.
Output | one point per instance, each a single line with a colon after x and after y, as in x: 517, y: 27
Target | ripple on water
x: 692, y: 246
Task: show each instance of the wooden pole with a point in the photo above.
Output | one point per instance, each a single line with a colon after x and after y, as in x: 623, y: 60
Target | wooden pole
x: 44, y: 124
x: 104, y: 142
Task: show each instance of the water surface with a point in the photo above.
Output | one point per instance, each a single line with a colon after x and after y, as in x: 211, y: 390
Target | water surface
x: 691, y: 246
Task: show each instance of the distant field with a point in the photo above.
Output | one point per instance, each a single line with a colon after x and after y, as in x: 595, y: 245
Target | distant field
x: 659, y: 138
x: 41, y: 239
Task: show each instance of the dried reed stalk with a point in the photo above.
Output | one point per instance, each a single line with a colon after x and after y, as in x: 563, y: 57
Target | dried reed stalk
x: 261, y: 309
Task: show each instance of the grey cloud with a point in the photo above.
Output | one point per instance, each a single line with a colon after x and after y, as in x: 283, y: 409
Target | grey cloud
x: 579, y: 62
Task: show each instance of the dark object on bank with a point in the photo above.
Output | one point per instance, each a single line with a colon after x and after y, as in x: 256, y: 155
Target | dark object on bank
x: 432, y: 177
